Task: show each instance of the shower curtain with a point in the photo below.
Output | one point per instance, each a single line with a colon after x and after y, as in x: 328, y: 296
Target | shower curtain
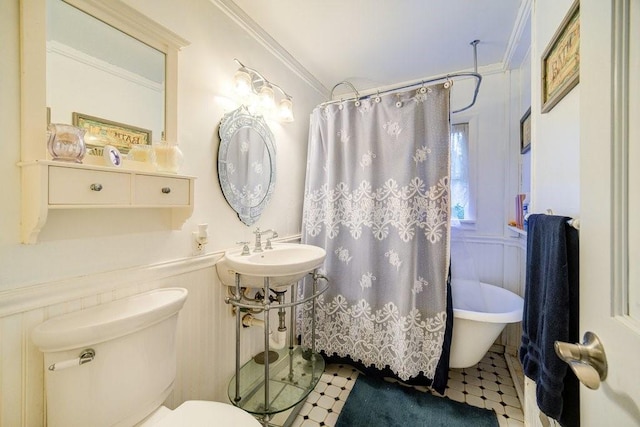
x: 377, y: 199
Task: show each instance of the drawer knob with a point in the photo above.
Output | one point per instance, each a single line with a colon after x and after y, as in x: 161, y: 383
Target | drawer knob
x: 95, y: 187
x: 166, y: 190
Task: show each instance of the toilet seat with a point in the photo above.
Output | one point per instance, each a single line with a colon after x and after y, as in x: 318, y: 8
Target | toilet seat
x: 196, y: 413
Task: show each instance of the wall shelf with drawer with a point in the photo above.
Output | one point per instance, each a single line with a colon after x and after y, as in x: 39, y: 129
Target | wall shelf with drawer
x: 48, y: 185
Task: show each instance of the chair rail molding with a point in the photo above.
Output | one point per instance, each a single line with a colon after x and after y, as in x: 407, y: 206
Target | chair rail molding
x: 40, y: 295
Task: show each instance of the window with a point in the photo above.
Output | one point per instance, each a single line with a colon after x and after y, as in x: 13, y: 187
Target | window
x: 462, y: 206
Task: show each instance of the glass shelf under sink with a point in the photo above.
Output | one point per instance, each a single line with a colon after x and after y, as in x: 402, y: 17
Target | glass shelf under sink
x: 291, y: 379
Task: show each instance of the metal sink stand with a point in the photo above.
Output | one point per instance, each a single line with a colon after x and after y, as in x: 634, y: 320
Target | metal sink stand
x: 291, y: 387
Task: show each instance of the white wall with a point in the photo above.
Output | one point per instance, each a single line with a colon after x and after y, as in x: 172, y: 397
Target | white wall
x: 497, y: 254
x: 489, y: 134
x: 555, y: 152
x: 78, y: 243
x: 81, y: 262
x: 525, y: 103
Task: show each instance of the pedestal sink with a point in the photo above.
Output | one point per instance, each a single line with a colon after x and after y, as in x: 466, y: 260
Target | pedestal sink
x: 274, y: 381
x: 285, y: 264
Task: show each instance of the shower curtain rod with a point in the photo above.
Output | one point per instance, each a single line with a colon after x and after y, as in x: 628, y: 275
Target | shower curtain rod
x: 446, y: 77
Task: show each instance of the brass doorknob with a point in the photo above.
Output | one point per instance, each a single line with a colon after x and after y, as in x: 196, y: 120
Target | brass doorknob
x: 587, y: 360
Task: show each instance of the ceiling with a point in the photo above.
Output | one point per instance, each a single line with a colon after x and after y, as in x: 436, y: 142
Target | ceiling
x: 377, y: 43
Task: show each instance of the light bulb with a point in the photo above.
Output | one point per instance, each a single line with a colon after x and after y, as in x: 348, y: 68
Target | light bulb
x: 266, y: 98
x: 242, y: 82
x: 286, y: 110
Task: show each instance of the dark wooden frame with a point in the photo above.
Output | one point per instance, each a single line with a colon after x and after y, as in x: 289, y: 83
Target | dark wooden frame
x: 561, y: 60
x: 525, y: 132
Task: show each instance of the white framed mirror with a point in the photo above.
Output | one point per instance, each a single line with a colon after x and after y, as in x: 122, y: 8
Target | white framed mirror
x: 246, y: 163
x: 144, y: 33
x: 94, y: 69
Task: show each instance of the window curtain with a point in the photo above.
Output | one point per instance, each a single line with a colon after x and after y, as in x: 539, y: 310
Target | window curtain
x: 377, y: 199
x: 460, y: 171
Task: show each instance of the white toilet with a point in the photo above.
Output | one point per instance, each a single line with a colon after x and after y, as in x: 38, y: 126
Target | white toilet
x: 132, y: 372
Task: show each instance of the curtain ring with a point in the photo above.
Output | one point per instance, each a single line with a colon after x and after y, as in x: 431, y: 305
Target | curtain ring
x: 377, y: 98
x: 341, y: 105
x: 357, y: 103
x: 422, y: 89
x: 398, y: 102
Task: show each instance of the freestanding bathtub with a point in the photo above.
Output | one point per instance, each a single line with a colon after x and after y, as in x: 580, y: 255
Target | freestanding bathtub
x: 480, y: 313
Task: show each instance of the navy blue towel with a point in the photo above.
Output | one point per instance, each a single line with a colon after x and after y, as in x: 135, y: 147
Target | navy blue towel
x: 551, y: 313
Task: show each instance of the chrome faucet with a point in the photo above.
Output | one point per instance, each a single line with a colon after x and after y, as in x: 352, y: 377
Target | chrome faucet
x: 258, y: 233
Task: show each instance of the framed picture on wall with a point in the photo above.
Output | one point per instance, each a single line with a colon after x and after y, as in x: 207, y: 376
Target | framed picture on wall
x: 561, y: 60
x: 525, y: 132
x: 101, y: 132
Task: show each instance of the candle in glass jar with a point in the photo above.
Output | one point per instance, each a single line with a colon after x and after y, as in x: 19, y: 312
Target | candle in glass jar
x: 168, y: 157
x: 141, y: 153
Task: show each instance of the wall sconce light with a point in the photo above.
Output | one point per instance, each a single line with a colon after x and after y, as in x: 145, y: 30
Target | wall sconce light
x: 285, y: 110
x: 242, y: 83
x: 256, y: 91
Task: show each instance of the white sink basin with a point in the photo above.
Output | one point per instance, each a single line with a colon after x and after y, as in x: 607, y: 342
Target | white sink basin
x: 285, y: 264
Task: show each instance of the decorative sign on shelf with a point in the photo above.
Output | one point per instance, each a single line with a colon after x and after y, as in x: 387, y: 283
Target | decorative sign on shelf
x: 101, y: 132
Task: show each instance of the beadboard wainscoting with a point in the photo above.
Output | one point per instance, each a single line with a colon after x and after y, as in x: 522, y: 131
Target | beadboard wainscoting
x: 206, y: 326
x: 206, y: 332
x: 500, y: 261
x: 515, y: 257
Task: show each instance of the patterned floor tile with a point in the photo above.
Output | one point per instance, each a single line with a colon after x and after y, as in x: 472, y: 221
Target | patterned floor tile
x: 487, y: 385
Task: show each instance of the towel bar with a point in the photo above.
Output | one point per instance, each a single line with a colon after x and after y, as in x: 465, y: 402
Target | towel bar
x: 574, y: 222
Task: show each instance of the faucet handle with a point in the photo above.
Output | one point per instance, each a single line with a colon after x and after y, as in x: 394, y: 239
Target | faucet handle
x: 273, y: 236
x: 245, y: 248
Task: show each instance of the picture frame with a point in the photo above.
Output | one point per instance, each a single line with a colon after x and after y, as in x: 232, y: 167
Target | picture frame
x: 102, y: 132
x: 561, y: 60
x: 525, y: 132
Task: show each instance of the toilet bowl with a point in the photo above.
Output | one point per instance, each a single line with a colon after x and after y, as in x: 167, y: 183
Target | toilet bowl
x: 114, y: 364
x: 200, y: 413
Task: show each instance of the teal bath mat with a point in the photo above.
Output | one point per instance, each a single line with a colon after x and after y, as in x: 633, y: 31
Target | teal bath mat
x: 377, y: 403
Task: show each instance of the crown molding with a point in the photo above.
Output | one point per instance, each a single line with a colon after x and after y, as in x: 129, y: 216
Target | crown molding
x: 524, y: 15
x: 259, y: 34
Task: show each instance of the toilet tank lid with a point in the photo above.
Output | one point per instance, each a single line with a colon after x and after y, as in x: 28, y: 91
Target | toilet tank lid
x: 108, y: 321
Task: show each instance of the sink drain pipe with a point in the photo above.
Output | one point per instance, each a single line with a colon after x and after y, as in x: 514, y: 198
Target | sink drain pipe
x: 277, y: 341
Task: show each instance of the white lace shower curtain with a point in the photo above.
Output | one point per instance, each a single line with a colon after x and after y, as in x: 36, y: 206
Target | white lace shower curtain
x: 377, y: 199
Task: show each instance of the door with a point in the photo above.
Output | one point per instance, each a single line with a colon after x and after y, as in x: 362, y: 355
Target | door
x: 610, y: 204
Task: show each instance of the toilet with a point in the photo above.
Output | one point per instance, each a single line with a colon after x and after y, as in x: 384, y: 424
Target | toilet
x: 131, y: 371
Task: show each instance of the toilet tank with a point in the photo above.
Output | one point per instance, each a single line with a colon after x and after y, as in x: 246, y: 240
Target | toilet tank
x: 134, y: 366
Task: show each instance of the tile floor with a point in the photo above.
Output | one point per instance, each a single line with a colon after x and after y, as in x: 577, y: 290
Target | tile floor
x: 486, y: 385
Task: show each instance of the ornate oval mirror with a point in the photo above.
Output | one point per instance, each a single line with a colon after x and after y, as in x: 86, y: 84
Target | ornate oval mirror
x: 246, y: 163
